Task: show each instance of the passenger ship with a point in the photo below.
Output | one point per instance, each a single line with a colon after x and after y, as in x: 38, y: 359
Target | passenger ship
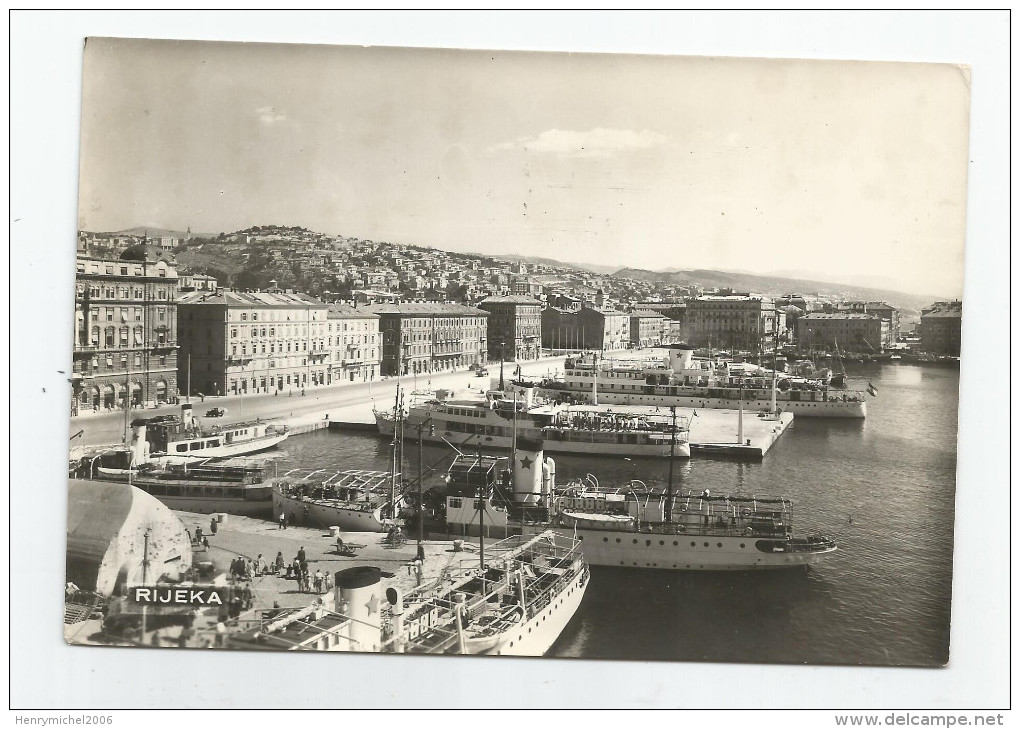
x: 682, y: 381
x: 586, y: 429
x: 628, y: 526
x: 513, y: 599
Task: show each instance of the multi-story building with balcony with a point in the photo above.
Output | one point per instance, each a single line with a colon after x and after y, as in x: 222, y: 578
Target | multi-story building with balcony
x: 514, y: 327
x: 353, y: 341
x: 603, y: 328
x: 430, y: 337
x: 732, y: 321
x: 125, y: 336
x: 239, y: 343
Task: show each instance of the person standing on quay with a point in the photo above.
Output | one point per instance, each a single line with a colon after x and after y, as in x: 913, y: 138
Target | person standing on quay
x: 302, y: 558
x: 283, y: 520
x: 213, y: 526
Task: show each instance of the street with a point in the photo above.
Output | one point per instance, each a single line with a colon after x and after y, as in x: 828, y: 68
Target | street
x: 108, y: 427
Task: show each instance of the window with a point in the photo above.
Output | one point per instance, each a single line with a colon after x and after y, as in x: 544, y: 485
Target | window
x: 162, y: 314
x: 138, y: 313
x: 123, y: 271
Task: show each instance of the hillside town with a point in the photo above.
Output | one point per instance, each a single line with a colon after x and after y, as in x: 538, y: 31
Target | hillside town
x: 274, y: 309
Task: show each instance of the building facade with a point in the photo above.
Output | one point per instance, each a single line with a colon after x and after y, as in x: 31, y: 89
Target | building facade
x: 886, y: 312
x: 736, y: 321
x: 125, y: 341
x: 561, y: 329
x: 604, y: 329
x: 648, y: 329
x: 353, y: 341
x: 941, y: 329
x: 514, y: 327
x: 419, y: 338
x: 243, y: 343
x: 861, y: 333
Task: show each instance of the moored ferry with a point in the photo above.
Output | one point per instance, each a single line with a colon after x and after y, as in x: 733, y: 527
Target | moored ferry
x: 630, y: 526
x: 495, y: 422
x: 682, y: 381
x: 171, y: 439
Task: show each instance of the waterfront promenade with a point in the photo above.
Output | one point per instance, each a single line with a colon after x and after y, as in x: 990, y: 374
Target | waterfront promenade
x: 293, y: 408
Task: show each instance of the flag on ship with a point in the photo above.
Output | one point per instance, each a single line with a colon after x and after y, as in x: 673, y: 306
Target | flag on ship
x: 872, y: 391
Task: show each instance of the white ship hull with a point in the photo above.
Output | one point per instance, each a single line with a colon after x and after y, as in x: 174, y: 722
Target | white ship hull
x: 224, y: 450
x: 350, y: 517
x: 552, y: 441
x: 632, y: 549
x: 800, y: 408
x: 536, y: 636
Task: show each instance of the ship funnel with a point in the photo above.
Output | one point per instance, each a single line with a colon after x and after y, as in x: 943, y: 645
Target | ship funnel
x: 548, y: 480
x: 527, y: 396
x: 680, y: 359
x: 187, y: 415
x: 357, y: 597
x: 139, y: 445
x: 528, y: 471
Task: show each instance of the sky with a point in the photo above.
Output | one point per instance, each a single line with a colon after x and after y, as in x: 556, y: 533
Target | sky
x: 840, y: 171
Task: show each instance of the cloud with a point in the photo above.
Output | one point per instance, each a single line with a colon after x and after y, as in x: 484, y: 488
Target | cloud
x: 598, y: 142
x: 269, y: 115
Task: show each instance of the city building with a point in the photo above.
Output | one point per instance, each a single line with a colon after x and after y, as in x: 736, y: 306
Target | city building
x: 353, y: 341
x: 861, y: 333
x: 125, y: 336
x: 430, y: 337
x: 561, y: 328
x: 940, y: 328
x: 886, y: 312
x: 240, y: 343
x: 732, y: 321
x: 196, y: 282
x: 514, y: 327
x: 648, y: 328
x: 603, y: 328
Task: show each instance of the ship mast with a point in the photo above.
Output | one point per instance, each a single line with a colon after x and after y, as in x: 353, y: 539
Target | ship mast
x: 393, y: 457
x: 672, y: 456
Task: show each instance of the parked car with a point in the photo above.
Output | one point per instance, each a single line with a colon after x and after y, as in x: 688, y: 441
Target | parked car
x: 215, y: 413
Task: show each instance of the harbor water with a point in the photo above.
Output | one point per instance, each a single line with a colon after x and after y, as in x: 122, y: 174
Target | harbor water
x: 883, y: 487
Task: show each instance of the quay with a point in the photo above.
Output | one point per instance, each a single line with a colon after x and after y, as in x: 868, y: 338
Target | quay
x: 250, y: 537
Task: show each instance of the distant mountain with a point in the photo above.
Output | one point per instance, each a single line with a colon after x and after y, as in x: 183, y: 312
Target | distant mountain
x: 539, y: 261
x: 909, y: 304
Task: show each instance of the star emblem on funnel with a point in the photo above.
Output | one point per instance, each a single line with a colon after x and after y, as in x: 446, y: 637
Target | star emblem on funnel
x: 526, y: 462
x: 372, y: 605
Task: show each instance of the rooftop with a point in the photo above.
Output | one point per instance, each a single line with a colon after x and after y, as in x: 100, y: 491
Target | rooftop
x: 249, y: 298
x: 426, y: 308
x: 841, y: 315
x: 510, y: 300
x: 343, y: 311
